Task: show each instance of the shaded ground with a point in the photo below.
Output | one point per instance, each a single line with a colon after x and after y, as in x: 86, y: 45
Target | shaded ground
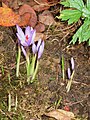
x: 48, y: 92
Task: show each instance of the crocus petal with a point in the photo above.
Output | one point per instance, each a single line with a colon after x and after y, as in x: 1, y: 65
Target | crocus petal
x: 72, y: 63
x: 31, y: 28
x: 41, y: 49
x: 34, y: 48
x: 23, y: 50
x: 33, y: 36
x: 39, y: 43
x: 22, y: 42
x: 69, y: 73
x: 27, y: 31
x: 20, y: 33
x: 43, y: 44
x: 21, y: 36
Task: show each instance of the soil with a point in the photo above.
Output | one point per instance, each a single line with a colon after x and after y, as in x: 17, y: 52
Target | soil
x: 48, y: 92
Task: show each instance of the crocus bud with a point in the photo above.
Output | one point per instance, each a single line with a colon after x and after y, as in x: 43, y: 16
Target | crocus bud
x: 40, y: 50
x: 72, y: 63
x: 69, y: 73
x: 34, y: 48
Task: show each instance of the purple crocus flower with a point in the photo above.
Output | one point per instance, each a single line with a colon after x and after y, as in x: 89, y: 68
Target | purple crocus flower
x: 69, y: 73
x: 72, y: 63
x: 28, y: 38
x: 39, y: 48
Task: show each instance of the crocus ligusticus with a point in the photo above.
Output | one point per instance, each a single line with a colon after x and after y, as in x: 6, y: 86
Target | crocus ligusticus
x: 72, y: 63
x: 69, y: 73
x: 28, y: 38
x: 39, y: 48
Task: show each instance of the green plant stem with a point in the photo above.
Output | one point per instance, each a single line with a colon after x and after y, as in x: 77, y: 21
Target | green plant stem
x: 35, y: 72
x: 32, y: 67
x: 28, y: 68
x: 70, y: 82
x: 2, y: 68
x: 18, y: 61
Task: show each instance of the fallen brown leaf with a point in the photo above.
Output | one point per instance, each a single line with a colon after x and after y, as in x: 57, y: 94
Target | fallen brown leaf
x: 24, y: 19
x: 40, y: 27
x: 46, y: 18
x: 8, y: 17
x: 6, y: 2
x: 60, y: 114
x: 28, y: 9
x: 4, y: 5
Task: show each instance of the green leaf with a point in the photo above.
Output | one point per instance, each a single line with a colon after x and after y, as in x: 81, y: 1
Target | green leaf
x: 83, y: 33
x: 89, y: 42
x: 70, y: 15
x: 86, y: 12
x: 65, y: 3
x: 88, y: 4
x: 73, y: 15
x: 78, y: 4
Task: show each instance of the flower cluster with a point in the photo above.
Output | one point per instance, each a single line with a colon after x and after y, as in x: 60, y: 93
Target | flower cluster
x: 25, y: 40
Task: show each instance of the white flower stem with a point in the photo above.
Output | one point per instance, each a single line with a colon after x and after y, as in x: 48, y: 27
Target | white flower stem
x: 18, y: 61
x: 16, y: 102
x: 9, y: 102
x: 70, y: 82
x: 63, y: 68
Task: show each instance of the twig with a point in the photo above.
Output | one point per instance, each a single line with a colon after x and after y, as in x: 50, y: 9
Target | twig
x: 15, y: 64
x: 46, y: 4
x: 70, y: 104
x: 65, y: 36
x: 39, y: 3
x: 75, y: 82
x: 68, y: 27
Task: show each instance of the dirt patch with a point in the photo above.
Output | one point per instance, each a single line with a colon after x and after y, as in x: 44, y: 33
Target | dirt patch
x: 43, y: 95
